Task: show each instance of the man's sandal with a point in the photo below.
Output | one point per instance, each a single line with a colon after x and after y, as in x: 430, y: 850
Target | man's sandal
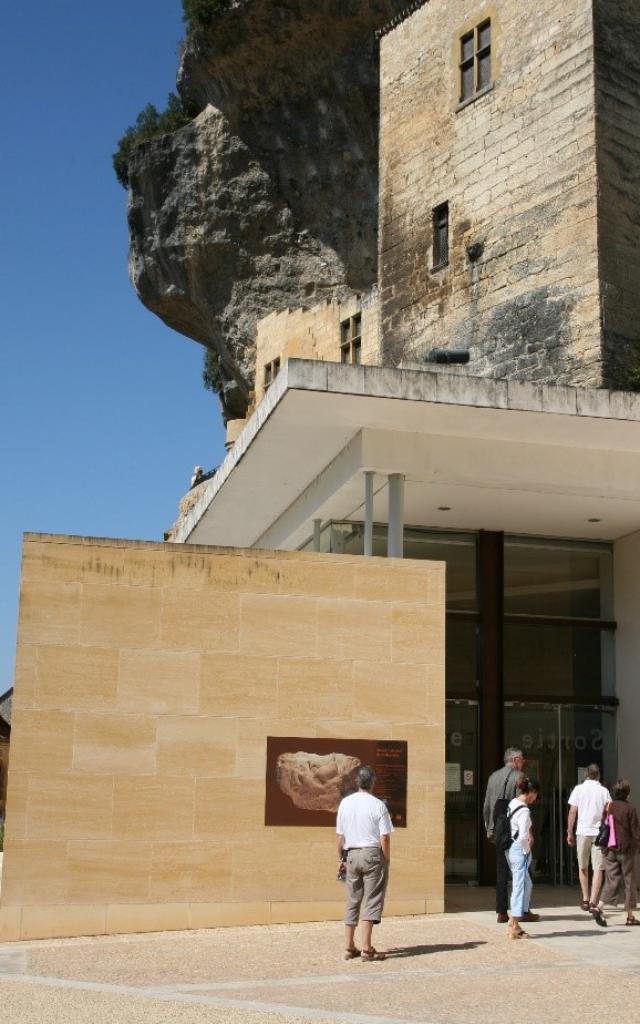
x: 351, y: 954
x: 372, y: 954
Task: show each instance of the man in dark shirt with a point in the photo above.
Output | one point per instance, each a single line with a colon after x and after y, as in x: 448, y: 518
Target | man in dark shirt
x: 502, y: 786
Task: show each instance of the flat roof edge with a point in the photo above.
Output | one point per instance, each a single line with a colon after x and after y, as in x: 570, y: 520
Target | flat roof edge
x: 444, y: 388
x: 413, y: 385
x: 262, y: 412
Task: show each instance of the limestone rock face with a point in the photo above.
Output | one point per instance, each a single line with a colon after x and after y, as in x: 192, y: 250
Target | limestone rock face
x: 269, y: 197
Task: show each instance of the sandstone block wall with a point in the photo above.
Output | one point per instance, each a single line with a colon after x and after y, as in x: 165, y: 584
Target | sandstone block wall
x: 314, y: 333
x: 518, y: 169
x: 148, y: 678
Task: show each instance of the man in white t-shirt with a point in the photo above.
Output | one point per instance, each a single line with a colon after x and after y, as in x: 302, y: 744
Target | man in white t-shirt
x: 364, y: 831
x: 586, y: 806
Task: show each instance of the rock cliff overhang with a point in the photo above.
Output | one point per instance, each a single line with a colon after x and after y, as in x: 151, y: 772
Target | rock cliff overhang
x: 269, y: 198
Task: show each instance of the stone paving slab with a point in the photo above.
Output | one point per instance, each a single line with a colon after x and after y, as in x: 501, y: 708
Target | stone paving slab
x: 446, y: 969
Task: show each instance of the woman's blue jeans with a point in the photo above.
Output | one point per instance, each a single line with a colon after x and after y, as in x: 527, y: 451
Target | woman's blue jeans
x: 519, y: 862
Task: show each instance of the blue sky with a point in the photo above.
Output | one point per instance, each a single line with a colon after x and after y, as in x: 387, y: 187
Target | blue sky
x: 102, y: 411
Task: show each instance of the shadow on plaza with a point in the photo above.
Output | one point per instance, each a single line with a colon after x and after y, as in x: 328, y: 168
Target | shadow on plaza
x: 571, y: 934
x: 425, y: 950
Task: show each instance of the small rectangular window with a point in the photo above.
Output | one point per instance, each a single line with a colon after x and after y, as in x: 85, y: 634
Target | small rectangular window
x: 351, y: 340
x: 441, y: 236
x: 475, y: 61
x: 271, y: 372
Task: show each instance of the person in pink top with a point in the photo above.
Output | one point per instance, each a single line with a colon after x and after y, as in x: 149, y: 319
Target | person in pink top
x: 619, y: 859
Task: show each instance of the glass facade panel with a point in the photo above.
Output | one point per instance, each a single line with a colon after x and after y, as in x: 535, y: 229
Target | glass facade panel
x: 458, y: 550
x: 553, y: 661
x: 460, y: 667
x: 561, y: 578
x: 461, y: 792
x: 558, y: 743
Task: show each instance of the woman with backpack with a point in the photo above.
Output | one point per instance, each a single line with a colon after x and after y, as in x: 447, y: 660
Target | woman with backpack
x: 519, y: 852
x: 619, y: 858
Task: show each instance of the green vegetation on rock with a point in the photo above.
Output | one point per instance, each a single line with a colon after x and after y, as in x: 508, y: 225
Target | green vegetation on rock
x: 150, y: 123
x: 211, y: 373
x: 202, y: 12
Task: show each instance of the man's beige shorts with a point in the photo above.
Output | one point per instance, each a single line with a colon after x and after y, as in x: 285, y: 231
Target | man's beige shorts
x: 367, y: 877
x: 585, y: 848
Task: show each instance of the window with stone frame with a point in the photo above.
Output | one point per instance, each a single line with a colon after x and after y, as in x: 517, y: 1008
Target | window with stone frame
x: 271, y: 371
x: 474, y: 69
x: 441, y: 236
x: 351, y: 340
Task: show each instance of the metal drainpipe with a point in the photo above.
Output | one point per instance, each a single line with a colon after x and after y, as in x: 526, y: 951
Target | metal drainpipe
x: 395, y: 529
x: 368, y: 512
x: 317, y: 523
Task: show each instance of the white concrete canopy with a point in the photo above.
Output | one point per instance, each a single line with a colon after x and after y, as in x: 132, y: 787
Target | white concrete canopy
x: 501, y: 455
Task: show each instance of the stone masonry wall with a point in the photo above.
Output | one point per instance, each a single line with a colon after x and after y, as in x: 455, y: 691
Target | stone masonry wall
x: 315, y: 333
x: 148, y: 678
x: 518, y: 169
x: 618, y: 140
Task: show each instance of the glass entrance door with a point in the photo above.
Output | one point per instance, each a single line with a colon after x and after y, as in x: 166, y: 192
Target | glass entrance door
x: 461, y: 791
x: 558, y: 742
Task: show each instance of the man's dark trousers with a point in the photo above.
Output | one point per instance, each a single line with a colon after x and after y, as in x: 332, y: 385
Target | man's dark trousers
x: 503, y: 877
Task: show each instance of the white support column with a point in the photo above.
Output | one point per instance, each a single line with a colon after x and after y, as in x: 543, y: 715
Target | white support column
x: 368, y: 512
x: 395, y: 528
x: 317, y: 524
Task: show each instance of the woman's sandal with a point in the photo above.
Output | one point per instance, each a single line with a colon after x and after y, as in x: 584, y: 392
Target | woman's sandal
x: 351, y: 954
x: 599, y: 917
x: 585, y: 905
x: 517, y: 933
x: 372, y: 954
x: 631, y: 921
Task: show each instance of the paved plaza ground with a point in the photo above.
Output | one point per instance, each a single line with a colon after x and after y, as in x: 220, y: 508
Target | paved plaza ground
x: 455, y: 968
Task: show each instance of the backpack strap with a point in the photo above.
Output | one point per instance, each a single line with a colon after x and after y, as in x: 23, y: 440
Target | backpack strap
x: 510, y: 815
x: 506, y: 783
x: 515, y: 810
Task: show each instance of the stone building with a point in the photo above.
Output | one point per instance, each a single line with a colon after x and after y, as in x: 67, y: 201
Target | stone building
x: 508, y: 197
x: 150, y: 674
x: 509, y: 191
x: 509, y: 188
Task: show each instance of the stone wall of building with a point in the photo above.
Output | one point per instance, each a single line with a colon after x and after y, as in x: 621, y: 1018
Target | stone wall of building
x: 148, y: 678
x: 617, y: 51
x: 314, y: 333
x: 517, y: 166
